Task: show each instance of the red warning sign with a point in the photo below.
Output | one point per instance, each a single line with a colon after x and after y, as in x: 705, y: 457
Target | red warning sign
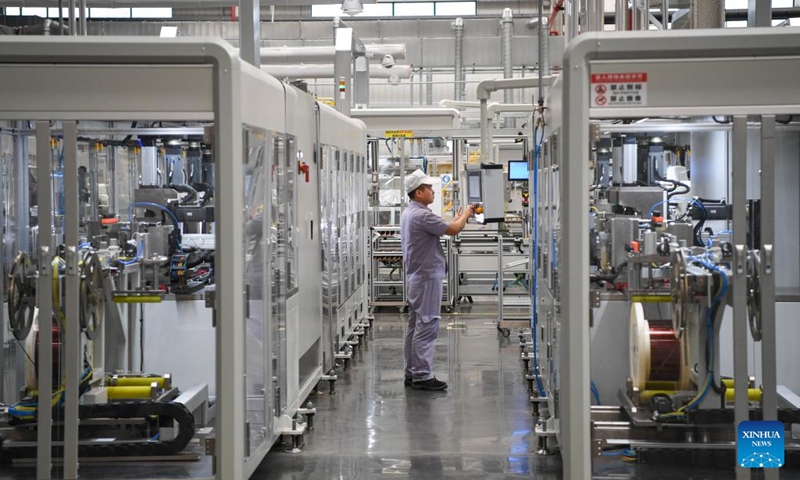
x: 627, y: 89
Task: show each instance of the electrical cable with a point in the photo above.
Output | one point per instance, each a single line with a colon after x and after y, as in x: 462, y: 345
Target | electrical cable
x: 164, y: 209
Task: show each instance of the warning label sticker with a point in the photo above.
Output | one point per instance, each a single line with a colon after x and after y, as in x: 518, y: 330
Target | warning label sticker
x: 619, y: 89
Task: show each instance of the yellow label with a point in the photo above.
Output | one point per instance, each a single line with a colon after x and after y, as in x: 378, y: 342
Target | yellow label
x: 398, y: 133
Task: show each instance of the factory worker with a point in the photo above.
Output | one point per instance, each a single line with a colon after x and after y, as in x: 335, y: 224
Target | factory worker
x: 425, y: 268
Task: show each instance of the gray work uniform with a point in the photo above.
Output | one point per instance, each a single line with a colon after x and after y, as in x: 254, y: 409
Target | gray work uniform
x: 425, y: 268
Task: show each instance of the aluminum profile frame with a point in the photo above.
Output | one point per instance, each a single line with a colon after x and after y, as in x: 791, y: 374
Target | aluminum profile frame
x: 744, y: 47
x: 224, y: 98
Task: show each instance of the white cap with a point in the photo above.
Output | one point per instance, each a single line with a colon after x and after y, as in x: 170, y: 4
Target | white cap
x: 415, y: 179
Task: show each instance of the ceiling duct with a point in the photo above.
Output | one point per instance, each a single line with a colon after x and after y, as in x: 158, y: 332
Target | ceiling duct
x: 395, y: 73
x: 326, y: 53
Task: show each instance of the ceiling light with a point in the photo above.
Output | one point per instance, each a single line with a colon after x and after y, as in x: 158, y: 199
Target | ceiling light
x: 352, y: 7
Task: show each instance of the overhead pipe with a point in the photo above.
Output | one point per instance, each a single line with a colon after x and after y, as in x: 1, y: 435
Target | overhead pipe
x: 506, y: 35
x: 84, y: 11
x: 484, y: 92
x: 429, y: 86
x: 544, y: 51
x: 707, y: 13
x: 326, y: 71
x: 573, y: 19
x: 621, y: 15
x: 72, y: 24
x: 327, y: 53
x: 458, y: 27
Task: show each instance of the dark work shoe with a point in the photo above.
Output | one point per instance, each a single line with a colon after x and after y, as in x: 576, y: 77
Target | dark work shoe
x: 430, y: 384
x: 408, y: 381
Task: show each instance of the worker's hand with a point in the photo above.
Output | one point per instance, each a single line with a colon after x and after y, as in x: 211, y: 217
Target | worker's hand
x: 469, y: 211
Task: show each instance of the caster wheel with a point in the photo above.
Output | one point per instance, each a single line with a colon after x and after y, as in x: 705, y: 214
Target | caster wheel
x: 506, y: 332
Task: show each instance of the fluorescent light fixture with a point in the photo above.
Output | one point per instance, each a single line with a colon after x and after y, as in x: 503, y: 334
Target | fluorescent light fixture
x: 454, y: 9
x: 168, y: 32
x: 736, y: 4
x: 736, y: 24
x: 95, y: 12
x: 352, y: 7
x: 53, y: 12
x: 34, y: 12
x: 12, y: 11
x: 413, y: 9
x: 151, y: 12
x: 370, y: 10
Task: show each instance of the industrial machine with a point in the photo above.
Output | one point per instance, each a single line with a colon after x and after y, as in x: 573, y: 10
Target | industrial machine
x: 675, y: 253
x: 402, y: 141
x: 125, y: 221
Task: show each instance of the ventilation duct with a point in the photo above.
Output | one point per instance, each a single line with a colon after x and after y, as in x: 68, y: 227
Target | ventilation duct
x: 397, y: 72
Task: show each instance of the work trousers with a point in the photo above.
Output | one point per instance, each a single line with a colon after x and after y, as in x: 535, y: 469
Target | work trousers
x: 424, y: 311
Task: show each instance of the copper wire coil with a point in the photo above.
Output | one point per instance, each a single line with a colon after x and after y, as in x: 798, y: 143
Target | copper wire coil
x: 656, y: 355
x: 665, y: 352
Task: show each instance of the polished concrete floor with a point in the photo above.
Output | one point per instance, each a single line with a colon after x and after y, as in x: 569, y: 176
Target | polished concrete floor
x: 375, y: 428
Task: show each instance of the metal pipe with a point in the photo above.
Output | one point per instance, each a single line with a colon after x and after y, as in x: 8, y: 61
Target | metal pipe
x: 72, y: 26
x: 665, y: 14
x: 645, y: 14
x: 594, y: 15
x: 61, y: 15
x: 325, y: 54
x: 429, y: 86
x: 484, y: 91
x: 327, y: 71
x: 544, y: 50
x: 83, y: 14
x: 573, y: 19
x: 707, y: 13
x: 506, y: 34
x: 458, y: 27
x: 621, y: 15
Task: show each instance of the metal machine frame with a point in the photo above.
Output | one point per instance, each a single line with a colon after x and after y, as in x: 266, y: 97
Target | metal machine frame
x: 726, y: 68
x: 119, y: 79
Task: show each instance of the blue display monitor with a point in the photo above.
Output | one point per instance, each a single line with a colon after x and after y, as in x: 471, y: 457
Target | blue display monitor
x: 517, y: 171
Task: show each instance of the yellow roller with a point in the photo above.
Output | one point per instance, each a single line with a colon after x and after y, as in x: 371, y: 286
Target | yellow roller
x: 753, y: 394
x: 137, y: 382
x: 728, y: 382
x: 651, y: 298
x: 126, y: 393
x: 646, y: 395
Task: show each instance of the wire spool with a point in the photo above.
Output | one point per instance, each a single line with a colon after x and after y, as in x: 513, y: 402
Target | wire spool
x: 21, y: 297
x: 32, y: 351
x: 91, y: 295
x: 656, y: 355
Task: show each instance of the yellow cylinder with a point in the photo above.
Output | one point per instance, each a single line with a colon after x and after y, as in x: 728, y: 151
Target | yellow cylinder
x: 728, y: 382
x: 126, y: 393
x: 646, y: 395
x: 137, y: 382
x: 753, y: 394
